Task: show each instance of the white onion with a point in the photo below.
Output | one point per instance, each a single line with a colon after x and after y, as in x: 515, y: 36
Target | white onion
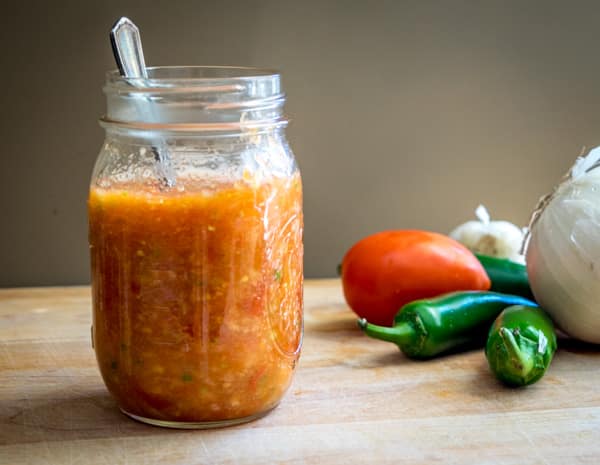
x: 563, y: 253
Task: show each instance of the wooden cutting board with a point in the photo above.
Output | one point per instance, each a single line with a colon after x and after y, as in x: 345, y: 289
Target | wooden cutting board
x: 354, y: 400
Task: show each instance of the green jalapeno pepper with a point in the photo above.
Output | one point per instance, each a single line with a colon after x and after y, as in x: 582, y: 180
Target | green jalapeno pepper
x: 506, y: 276
x: 427, y: 327
x: 520, y: 345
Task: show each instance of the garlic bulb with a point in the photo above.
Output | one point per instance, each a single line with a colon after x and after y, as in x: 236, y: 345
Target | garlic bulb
x: 563, y: 251
x: 495, y: 238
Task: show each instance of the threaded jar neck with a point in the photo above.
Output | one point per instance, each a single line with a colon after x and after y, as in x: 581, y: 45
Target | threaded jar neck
x: 195, y: 99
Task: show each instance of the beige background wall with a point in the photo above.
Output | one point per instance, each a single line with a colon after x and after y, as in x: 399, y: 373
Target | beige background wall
x: 405, y: 114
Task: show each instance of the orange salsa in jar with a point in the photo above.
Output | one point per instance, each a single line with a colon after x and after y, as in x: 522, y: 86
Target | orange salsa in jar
x: 197, y: 284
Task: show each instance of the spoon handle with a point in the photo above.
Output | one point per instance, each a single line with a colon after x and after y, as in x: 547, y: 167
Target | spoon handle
x: 127, y: 48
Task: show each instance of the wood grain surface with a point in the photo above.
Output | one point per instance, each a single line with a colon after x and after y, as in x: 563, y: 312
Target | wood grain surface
x: 353, y: 400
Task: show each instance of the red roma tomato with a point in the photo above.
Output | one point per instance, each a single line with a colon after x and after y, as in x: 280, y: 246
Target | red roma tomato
x: 384, y: 271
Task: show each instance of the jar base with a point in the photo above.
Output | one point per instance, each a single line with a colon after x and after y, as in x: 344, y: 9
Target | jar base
x: 198, y: 424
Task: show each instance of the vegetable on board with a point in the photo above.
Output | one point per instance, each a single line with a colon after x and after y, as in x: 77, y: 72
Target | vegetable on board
x: 428, y: 327
x: 384, y: 271
x: 494, y: 238
x: 507, y: 276
x: 563, y: 252
x: 520, y: 345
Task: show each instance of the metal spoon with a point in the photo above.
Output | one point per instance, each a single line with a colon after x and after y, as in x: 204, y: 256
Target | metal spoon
x: 127, y: 49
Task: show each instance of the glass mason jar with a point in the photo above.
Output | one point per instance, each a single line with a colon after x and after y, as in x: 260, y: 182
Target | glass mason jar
x: 195, y: 232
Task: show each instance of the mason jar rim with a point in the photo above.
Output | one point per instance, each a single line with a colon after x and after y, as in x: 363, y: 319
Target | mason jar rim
x: 173, y: 76
x: 195, y: 98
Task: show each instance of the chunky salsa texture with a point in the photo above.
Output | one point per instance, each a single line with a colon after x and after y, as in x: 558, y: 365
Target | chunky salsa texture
x: 197, y: 296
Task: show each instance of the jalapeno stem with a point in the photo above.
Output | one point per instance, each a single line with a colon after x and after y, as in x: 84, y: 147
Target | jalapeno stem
x: 522, y: 362
x: 399, y: 334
